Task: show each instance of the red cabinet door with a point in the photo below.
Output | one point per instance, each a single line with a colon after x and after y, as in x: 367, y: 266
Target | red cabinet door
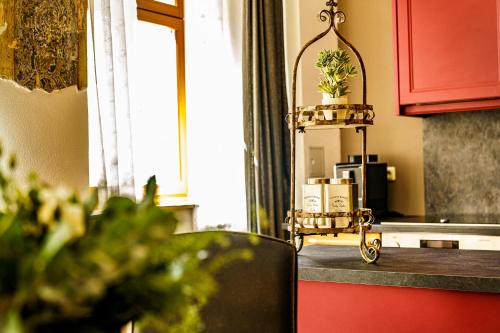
x: 447, y: 55
x: 326, y: 307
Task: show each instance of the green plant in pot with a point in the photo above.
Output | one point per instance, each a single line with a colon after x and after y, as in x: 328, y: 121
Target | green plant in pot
x: 335, y: 70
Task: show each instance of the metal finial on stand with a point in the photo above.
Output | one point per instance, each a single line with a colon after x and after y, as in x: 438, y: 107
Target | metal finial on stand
x: 331, y: 3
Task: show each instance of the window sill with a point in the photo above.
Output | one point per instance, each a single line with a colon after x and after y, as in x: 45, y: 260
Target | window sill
x: 176, y: 203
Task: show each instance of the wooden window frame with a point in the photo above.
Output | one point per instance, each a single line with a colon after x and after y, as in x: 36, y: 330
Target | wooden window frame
x: 173, y: 18
x: 176, y: 10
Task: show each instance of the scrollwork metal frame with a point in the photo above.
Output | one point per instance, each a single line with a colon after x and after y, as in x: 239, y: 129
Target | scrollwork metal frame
x: 370, y: 253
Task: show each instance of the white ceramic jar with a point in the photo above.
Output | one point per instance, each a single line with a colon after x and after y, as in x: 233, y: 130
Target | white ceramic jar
x: 314, y: 201
x: 341, y: 196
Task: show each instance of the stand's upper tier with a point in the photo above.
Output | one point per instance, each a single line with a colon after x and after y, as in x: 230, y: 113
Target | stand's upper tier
x: 332, y: 116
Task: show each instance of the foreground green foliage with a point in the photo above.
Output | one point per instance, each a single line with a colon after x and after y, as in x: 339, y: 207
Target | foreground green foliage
x: 335, y: 69
x: 63, y: 269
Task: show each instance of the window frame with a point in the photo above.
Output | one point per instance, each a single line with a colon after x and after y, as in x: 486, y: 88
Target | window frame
x: 172, y: 16
x: 176, y: 10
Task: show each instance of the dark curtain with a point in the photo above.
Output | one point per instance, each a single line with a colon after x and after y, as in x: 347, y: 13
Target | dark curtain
x: 267, y: 139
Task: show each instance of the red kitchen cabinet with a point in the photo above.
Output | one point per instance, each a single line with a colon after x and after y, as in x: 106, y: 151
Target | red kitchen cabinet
x: 325, y: 307
x: 447, y: 55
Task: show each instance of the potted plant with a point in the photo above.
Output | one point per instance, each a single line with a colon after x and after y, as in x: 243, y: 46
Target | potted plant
x: 64, y: 268
x: 335, y: 69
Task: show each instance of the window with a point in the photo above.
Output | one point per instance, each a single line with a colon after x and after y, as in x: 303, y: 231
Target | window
x: 166, y: 139
x: 153, y: 69
x: 159, y: 109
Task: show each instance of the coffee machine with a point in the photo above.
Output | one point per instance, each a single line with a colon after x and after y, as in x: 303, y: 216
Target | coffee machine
x: 376, y: 181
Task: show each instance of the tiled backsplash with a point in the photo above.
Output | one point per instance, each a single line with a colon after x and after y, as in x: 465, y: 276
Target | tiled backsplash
x: 462, y: 163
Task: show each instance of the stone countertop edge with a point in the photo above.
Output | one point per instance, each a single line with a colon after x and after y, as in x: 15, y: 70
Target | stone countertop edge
x: 438, y: 228
x: 449, y: 269
x: 401, y: 279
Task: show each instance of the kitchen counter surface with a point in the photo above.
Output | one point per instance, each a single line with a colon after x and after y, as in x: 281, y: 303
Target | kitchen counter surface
x: 462, y: 270
x: 488, y: 225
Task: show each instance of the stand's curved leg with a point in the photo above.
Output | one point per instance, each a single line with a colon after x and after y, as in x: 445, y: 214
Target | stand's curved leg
x: 377, y: 243
x: 369, y: 253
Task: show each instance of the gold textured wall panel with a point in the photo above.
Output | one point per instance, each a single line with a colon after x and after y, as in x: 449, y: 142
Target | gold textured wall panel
x: 6, y: 39
x: 43, y: 45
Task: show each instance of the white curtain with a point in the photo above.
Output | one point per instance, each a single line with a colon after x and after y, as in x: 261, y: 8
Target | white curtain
x: 215, y: 112
x: 111, y: 161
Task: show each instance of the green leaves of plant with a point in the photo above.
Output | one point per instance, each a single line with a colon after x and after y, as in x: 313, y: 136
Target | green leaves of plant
x: 335, y: 70
x: 325, y: 59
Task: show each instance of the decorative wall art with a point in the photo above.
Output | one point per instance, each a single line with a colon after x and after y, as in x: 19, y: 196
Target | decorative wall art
x: 43, y: 43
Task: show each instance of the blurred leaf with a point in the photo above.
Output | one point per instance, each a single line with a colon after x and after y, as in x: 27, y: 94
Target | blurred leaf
x: 54, y: 242
x: 151, y: 188
x: 13, y: 324
x: 91, y: 203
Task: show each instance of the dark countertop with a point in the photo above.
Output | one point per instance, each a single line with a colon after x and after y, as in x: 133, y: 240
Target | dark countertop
x: 451, y: 219
x: 462, y: 270
x: 457, y: 224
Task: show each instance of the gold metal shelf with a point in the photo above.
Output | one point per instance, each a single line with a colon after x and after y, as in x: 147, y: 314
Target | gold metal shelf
x: 365, y: 213
x: 357, y: 218
x: 328, y: 124
x: 342, y: 116
x: 323, y: 231
x: 356, y: 107
x: 359, y: 223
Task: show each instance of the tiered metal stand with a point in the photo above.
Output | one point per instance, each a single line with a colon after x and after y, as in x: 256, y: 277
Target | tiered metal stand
x: 357, y: 116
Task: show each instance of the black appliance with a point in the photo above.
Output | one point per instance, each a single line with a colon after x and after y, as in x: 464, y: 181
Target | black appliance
x: 376, y: 181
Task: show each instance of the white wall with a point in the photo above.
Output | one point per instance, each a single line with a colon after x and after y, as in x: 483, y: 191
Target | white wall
x: 47, y: 132
x: 397, y: 140
x: 301, y: 25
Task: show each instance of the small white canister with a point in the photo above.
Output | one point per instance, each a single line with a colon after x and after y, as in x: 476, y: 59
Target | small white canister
x: 341, y: 196
x: 314, y: 200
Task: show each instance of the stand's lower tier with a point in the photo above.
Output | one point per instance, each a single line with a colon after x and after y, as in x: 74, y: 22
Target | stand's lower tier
x: 358, y: 221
